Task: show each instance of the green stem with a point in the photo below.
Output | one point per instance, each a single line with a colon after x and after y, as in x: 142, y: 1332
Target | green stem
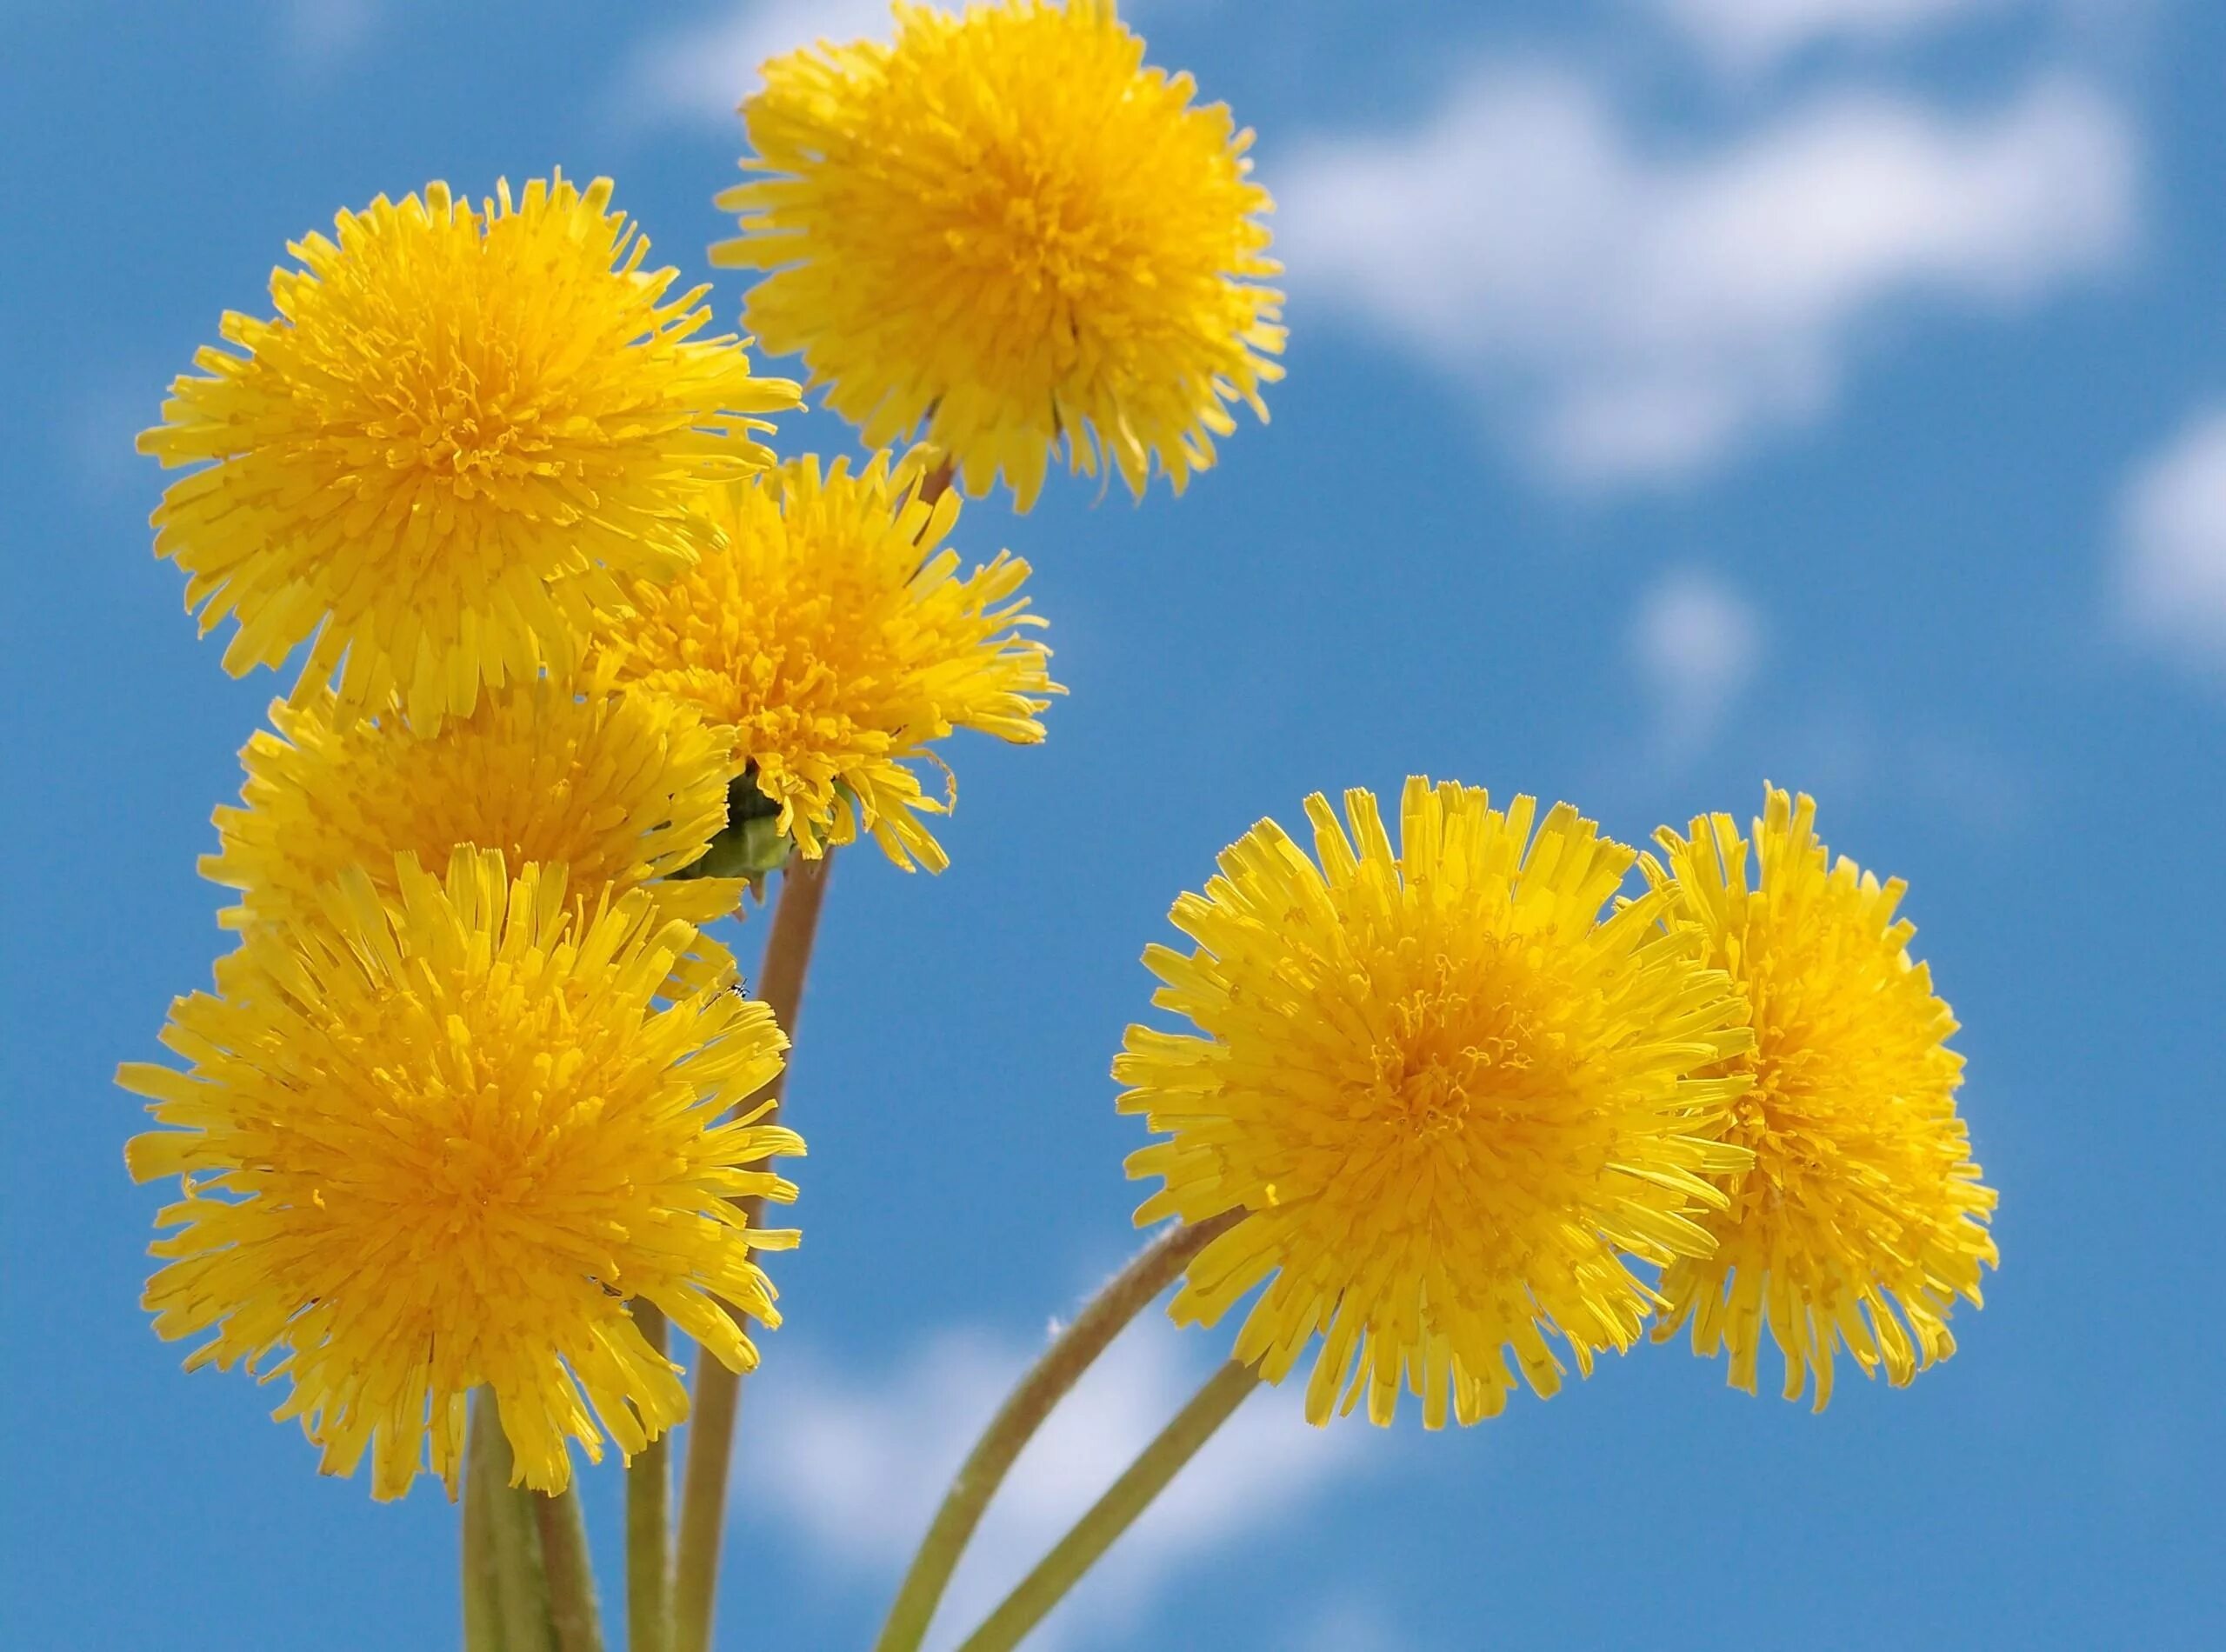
x: 1114, y: 1512
x: 520, y: 1614
x: 483, y: 1585
x: 1045, y: 1384
x: 571, y: 1576
x: 718, y: 1391
x: 648, y: 1523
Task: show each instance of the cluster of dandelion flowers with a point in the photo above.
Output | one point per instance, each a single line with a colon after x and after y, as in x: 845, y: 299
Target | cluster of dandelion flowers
x: 443, y: 1139
x: 1446, y: 1094
x: 620, y: 790
x: 463, y: 432
x: 832, y: 631
x: 1006, y: 226
x: 1862, y: 1218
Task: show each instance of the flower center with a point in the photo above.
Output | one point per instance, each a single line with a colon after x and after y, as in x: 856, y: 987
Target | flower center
x: 1022, y: 220
x: 460, y: 422
x: 1434, y: 1099
x: 1448, y: 1054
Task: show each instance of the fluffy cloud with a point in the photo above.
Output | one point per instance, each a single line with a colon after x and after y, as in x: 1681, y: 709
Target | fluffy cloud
x: 697, y: 73
x: 1351, y: 1625
x: 1637, y: 310
x: 2172, y: 562
x: 1695, y: 644
x: 317, y: 35
x: 857, y: 1466
x: 1747, y: 35
x: 700, y: 72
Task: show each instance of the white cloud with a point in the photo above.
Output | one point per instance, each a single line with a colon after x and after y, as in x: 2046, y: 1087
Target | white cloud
x: 700, y: 72
x: 1748, y: 35
x: 1696, y: 644
x: 316, y: 35
x: 101, y: 413
x: 1347, y: 1624
x: 2172, y: 560
x: 857, y: 1466
x: 1643, y: 310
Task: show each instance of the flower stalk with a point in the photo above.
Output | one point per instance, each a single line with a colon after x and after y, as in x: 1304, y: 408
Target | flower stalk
x: 718, y: 1391
x: 1016, y: 1422
x: 505, y: 1593
x: 1115, y: 1512
x: 482, y: 1627
x: 648, y: 1523
x: 572, y: 1610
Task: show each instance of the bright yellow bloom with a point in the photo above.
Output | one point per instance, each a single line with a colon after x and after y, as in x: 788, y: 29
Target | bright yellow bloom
x: 444, y: 1141
x: 1005, y: 225
x: 463, y: 433
x: 1445, y: 1091
x: 617, y: 789
x: 1863, y: 1199
x: 831, y: 631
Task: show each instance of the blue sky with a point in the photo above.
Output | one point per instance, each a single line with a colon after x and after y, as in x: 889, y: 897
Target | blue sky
x: 1681, y: 392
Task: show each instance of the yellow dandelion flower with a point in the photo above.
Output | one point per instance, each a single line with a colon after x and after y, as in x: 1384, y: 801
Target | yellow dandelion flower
x: 444, y: 1141
x: 833, y: 632
x: 622, y: 791
x: 461, y: 433
x: 1445, y: 1091
x: 1006, y: 226
x: 1862, y: 1202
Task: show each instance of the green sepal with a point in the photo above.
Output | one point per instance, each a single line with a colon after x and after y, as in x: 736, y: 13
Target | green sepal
x: 752, y: 844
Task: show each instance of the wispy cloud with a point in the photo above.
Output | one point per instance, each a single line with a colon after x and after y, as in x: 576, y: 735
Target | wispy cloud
x: 1636, y: 309
x: 2172, y: 544
x: 858, y: 1464
x: 101, y: 413
x: 1346, y: 1623
x: 1696, y: 644
x: 1749, y: 34
x: 699, y: 72
x: 316, y: 35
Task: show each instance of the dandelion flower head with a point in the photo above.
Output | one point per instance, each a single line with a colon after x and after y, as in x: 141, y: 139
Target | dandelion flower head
x: 463, y: 432
x: 832, y: 630
x: 1863, y: 1217
x: 1006, y: 226
x: 1446, y: 1093
x: 622, y: 791
x: 445, y: 1140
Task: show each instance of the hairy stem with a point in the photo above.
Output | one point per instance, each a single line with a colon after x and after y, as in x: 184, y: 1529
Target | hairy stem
x: 648, y: 1523
x: 1114, y: 1512
x: 483, y: 1608
x: 571, y: 1576
x: 1045, y: 1384
x: 515, y: 1619
x: 718, y: 1391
